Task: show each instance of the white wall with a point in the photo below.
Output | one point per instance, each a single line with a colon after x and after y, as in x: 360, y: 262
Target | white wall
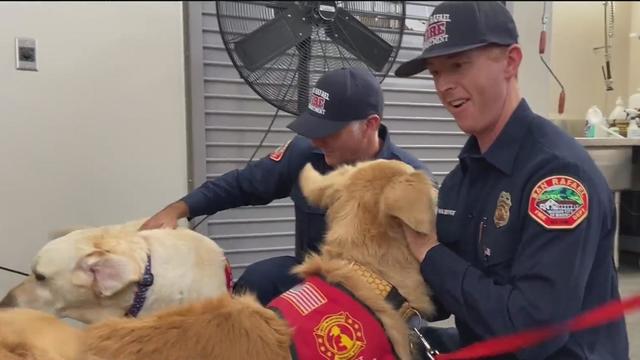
x: 534, y: 78
x: 634, y: 48
x: 578, y: 27
x: 98, y: 134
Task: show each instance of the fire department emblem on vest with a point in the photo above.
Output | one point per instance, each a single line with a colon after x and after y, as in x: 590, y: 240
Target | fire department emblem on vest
x: 339, y: 337
x: 559, y: 202
x: 503, y: 208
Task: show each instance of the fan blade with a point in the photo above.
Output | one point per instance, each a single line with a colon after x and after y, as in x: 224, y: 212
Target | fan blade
x: 358, y: 39
x: 273, y: 39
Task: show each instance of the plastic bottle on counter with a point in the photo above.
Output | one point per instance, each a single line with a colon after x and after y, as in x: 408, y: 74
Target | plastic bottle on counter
x: 633, y: 131
x: 618, y: 119
x: 596, y: 124
x: 618, y: 114
x: 634, y: 100
x: 614, y: 131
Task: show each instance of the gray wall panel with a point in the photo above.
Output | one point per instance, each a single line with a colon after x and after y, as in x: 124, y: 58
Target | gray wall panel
x: 233, y: 119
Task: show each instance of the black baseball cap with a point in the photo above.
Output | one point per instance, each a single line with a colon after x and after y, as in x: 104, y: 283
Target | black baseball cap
x: 456, y: 26
x: 339, y: 97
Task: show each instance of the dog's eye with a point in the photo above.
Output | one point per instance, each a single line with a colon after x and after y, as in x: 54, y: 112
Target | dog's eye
x: 40, y: 277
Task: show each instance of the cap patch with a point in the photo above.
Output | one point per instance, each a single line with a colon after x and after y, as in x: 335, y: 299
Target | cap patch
x: 318, y: 98
x: 559, y: 202
x: 436, y: 32
x: 278, y: 153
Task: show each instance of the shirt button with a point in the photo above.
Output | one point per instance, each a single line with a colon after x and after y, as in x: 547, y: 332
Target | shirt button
x: 470, y: 215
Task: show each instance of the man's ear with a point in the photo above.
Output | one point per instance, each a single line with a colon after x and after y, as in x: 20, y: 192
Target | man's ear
x: 373, y: 122
x: 514, y: 58
x: 410, y: 199
x: 105, y: 273
x: 320, y: 190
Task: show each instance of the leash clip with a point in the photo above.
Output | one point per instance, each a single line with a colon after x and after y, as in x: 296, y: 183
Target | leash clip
x: 428, y: 350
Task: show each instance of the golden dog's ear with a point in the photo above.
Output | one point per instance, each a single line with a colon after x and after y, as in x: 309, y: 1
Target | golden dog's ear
x: 318, y: 189
x: 410, y: 198
x: 105, y: 273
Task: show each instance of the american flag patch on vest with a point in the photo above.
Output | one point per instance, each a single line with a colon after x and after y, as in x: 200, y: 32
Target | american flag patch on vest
x: 305, y: 297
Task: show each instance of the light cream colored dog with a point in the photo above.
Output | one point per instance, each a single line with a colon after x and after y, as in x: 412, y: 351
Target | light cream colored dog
x: 367, y: 207
x: 93, y: 274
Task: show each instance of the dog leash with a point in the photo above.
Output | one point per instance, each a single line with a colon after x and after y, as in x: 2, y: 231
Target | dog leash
x: 507, y: 344
x: 13, y: 271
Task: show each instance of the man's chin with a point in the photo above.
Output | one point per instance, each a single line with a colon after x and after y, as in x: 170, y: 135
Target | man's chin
x: 333, y: 161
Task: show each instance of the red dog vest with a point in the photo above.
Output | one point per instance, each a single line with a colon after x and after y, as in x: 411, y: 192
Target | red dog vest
x: 330, y: 324
x: 228, y: 274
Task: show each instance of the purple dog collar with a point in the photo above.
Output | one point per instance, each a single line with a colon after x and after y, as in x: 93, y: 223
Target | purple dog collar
x: 141, y: 294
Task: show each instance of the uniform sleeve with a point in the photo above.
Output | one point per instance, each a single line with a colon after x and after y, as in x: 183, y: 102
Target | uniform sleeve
x: 548, y: 276
x: 259, y: 183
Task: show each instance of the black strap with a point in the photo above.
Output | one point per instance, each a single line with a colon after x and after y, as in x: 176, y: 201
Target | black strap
x: 395, y: 298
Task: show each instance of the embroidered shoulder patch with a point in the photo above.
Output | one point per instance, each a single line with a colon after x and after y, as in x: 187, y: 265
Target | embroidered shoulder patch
x: 278, y: 153
x: 559, y: 202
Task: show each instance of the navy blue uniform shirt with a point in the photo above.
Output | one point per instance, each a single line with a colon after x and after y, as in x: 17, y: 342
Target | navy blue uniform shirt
x: 265, y: 180
x: 526, y: 232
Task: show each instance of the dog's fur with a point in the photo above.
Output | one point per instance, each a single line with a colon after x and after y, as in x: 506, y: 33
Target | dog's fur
x: 91, y: 274
x: 31, y: 334
x: 367, y: 207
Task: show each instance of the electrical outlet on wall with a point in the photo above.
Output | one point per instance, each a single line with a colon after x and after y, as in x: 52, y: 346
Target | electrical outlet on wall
x: 26, y: 54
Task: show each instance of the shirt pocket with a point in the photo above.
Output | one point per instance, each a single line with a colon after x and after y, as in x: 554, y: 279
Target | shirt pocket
x: 496, y: 249
x: 448, y: 226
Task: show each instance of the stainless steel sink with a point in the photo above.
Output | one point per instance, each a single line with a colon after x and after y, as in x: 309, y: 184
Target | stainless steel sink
x: 613, y: 156
x: 619, y: 161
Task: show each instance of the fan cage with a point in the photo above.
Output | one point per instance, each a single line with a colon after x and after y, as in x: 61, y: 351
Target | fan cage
x: 285, y: 82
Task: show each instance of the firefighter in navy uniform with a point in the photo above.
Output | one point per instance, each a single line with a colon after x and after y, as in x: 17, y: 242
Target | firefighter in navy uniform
x: 341, y: 126
x: 526, y: 220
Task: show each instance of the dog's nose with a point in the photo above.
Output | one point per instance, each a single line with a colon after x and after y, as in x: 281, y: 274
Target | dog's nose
x: 8, y: 301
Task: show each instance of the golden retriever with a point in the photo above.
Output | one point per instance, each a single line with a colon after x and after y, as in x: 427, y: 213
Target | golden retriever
x: 31, y: 334
x: 367, y: 205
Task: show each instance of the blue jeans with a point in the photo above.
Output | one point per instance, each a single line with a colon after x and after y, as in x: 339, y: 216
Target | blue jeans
x: 268, y: 278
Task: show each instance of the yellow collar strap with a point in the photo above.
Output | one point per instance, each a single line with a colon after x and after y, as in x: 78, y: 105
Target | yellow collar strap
x: 385, y: 289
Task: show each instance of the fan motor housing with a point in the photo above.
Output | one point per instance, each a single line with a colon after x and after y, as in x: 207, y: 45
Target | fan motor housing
x: 326, y: 11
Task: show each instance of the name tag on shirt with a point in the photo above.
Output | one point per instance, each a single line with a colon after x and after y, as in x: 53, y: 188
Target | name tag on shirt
x: 447, y: 212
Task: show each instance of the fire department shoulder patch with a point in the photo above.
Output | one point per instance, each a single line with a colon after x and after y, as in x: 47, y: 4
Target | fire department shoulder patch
x: 339, y: 337
x: 559, y: 202
x: 278, y: 153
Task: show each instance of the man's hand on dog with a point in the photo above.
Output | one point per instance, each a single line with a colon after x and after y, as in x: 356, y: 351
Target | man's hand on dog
x: 167, y: 217
x: 419, y: 243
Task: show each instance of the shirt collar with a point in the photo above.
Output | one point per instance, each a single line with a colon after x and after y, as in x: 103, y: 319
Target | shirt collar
x: 386, y: 150
x: 502, y: 153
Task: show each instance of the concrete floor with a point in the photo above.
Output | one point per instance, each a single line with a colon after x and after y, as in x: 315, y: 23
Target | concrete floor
x: 629, y: 278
